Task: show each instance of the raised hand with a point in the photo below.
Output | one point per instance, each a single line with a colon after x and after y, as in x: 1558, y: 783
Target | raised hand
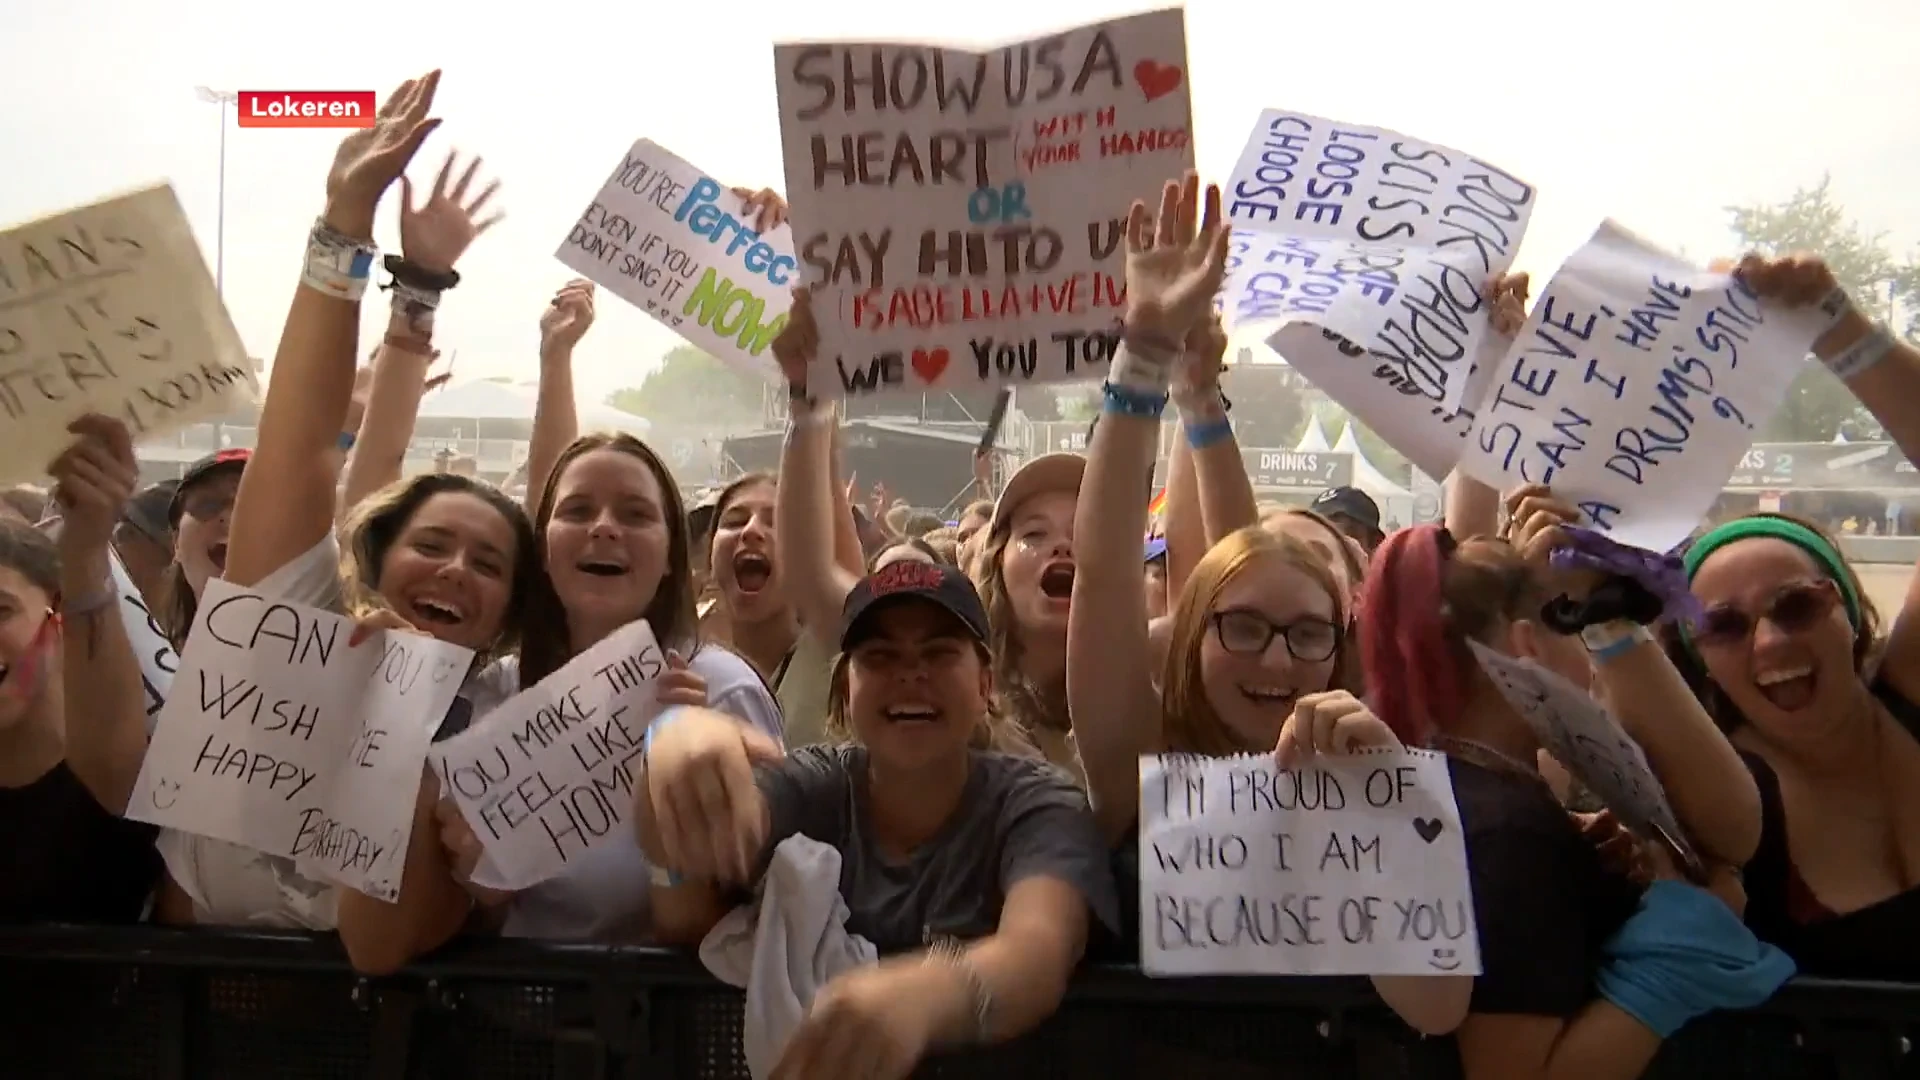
x: 798, y: 340
x: 1507, y: 293
x: 370, y: 159
x: 434, y: 236
x: 1204, y: 354
x: 568, y: 318
x: 768, y: 207
x: 1174, y: 269
x: 93, y: 479
x: 1793, y: 280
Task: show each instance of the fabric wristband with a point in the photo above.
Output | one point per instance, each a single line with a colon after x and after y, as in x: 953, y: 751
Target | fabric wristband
x: 1143, y: 364
x: 1129, y: 401
x: 337, y: 264
x: 1872, y: 348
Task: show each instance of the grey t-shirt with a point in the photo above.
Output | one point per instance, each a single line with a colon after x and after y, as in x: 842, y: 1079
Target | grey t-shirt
x: 1019, y: 818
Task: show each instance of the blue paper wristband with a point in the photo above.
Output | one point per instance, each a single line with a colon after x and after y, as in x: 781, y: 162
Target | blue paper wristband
x: 1207, y: 432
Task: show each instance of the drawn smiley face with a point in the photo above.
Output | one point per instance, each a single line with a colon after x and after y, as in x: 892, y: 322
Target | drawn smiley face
x: 165, y: 794
x: 1444, y: 960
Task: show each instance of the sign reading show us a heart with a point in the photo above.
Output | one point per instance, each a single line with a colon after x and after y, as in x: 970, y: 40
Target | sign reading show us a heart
x: 930, y: 364
x: 1156, y: 80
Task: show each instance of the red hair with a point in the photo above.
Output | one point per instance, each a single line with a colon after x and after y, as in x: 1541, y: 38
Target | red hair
x: 1404, y: 635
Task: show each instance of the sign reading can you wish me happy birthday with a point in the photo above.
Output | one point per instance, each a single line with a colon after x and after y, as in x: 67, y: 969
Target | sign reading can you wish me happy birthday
x: 281, y: 737
x: 109, y: 309
x: 674, y: 242
x: 1352, y: 866
x: 961, y: 214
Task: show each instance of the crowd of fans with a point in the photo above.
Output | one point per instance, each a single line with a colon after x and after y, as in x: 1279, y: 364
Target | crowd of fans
x: 955, y: 714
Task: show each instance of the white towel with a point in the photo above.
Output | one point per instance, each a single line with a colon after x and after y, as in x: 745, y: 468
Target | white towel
x: 782, y: 948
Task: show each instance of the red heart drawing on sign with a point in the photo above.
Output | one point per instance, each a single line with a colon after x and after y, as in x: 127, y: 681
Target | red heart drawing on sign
x: 1156, y: 80
x: 929, y: 365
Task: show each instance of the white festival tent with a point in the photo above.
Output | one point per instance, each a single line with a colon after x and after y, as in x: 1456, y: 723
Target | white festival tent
x: 1314, y: 439
x: 488, y: 400
x: 1396, y: 502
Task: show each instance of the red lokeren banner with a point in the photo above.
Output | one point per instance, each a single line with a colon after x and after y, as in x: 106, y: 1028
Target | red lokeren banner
x: 306, y: 108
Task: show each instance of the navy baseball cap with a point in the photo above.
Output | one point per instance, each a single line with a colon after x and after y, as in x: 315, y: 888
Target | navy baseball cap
x: 1350, y: 503
x: 911, y: 579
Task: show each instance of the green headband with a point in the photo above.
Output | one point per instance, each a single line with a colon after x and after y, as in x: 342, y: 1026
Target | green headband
x: 1832, y: 563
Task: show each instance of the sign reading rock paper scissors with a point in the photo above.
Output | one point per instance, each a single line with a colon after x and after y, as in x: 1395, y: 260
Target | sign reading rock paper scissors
x: 110, y: 309
x: 674, y: 242
x: 1364, y: 254
x: 1354, y: 865
x: 961, y: 213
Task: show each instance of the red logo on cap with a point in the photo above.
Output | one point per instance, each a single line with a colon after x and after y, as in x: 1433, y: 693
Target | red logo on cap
x: 907, y: 575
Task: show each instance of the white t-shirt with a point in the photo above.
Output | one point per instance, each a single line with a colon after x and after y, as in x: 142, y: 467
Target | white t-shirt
x: 231, y: 885
x: 602, y: 898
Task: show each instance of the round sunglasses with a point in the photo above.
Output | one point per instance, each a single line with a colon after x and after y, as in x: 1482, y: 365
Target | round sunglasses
x: 1795, y: 608
x: 1249, y: 633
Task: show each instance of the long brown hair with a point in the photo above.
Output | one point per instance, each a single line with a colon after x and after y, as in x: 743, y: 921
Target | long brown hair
x: 1189, y: 723
x: 378, y: 521
x: 1866, y: 641
x: 1019, y: 697
x: 545, y: 643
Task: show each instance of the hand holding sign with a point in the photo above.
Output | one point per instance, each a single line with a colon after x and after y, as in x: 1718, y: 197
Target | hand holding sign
x: 768, y: 208
x: 93, y: 480
x: 1334, y: 723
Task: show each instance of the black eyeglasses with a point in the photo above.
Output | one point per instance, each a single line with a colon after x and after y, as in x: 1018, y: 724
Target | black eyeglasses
x: 1794, y: 608
x: 1249, y: 633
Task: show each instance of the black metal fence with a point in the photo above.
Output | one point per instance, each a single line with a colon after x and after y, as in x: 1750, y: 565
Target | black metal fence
x: 82, y: 1003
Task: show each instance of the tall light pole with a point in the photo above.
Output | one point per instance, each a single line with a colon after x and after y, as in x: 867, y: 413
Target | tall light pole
x: 219, y: 99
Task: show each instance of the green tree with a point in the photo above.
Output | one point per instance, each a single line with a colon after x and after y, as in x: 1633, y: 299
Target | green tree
x: 1819, y: 406
x: 690, y: 385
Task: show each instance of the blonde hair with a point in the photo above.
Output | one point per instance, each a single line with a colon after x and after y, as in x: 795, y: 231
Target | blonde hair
x: 1189, y: 723
x: 1019, y: 698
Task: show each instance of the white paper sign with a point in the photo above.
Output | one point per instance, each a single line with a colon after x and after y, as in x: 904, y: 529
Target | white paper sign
x: 109, y: 309
x: 1354, y: 867
x: 548, y: 775
x: 1585, y: 740
x: 672, y: 241
x: 962, y: 212
x: 280, y: 737
x: 1385, y: 242
x: 1635, y: 388
x: 158, y: 661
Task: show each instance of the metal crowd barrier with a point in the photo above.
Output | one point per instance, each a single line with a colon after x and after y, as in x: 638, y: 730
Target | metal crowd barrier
x: 148, y: 1004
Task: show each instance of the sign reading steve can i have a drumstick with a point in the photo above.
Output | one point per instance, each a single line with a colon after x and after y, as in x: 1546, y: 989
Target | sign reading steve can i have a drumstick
x: 1352, y: 866
x: 109, y: 309
x: 961, y: 212
x: 676, y: 243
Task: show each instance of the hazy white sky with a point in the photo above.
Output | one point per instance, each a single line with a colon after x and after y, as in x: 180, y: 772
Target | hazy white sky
x: 1656, y: 112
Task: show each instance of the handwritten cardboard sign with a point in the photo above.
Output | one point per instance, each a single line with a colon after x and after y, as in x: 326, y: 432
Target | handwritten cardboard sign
x: 548, y: 775
x: 1635, y: 388
x: 961, y: 213
x: 1364, y: 253
x: 1356, y: 866
x: 672, y: 241
x: 1585, y: 740
x: 280, y: 737
x: 109, y: 309
x: 158, y: 661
